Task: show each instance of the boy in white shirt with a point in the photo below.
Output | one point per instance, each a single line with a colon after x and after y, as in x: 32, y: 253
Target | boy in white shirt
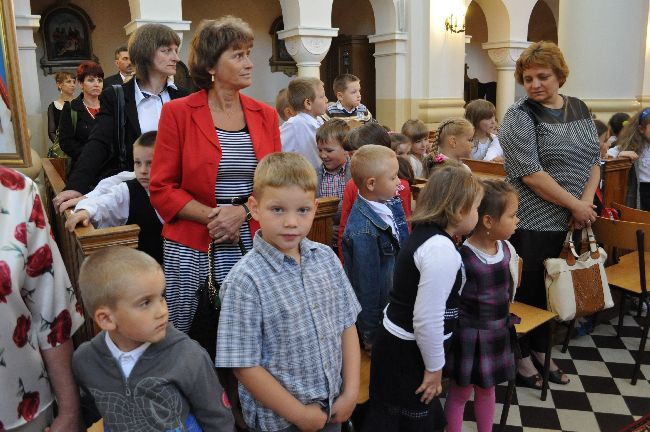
x: 127, y: 202
x: 298, y: 134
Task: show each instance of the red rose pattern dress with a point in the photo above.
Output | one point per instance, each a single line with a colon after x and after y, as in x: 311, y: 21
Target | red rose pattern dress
x: 38, y: 308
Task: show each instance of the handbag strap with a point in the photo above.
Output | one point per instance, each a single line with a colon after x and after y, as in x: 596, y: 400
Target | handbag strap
x: 120, y: 123
x: 569, y: 251
x: 212, y: 287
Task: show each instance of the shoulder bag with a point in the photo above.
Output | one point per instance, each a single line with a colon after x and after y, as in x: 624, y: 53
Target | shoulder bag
x: 576, y: 285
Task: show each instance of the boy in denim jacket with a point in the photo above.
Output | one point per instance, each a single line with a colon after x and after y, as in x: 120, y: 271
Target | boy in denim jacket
x: 375, y: 230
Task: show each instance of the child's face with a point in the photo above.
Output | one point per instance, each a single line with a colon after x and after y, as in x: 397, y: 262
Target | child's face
x: 645, y: 131
x: 469, y: 219
x: 419, y: 147
x: 142, y: 157
x: 604, y: 144
x: 487, y: 126
x: 403, y: 149
x: 318, y: 106
x: 386, y: 182
x: 507, y: 224
x: 140, y: 315
x: 463, y: 146
x: 285, y: 215
x: 351, y: 97
x: 332, y: 154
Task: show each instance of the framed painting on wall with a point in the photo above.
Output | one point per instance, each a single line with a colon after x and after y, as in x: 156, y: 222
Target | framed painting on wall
x: 14, y: 139
x: 66, y: 32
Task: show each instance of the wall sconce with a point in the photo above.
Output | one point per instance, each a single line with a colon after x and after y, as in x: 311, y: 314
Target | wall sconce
x: 451, y: 24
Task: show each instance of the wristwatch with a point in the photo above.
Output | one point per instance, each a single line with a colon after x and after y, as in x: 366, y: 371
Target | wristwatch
x: 249, y: 216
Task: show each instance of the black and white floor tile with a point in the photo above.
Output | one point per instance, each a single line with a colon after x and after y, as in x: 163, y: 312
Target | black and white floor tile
x: 599, y: 396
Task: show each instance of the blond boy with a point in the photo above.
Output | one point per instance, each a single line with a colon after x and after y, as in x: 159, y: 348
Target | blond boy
x: 348, y: 106
x: 298, y: 134
x: 288, y: 311
x: 282, y: 106
x: 139, y: 372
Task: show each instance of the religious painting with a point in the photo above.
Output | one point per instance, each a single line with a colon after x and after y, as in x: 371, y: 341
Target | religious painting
x: 281, y: 60
x: 14, y: 138
x: 66, y: 37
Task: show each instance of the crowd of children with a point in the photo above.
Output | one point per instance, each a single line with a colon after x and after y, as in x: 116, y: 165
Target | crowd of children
x: 423, y: 300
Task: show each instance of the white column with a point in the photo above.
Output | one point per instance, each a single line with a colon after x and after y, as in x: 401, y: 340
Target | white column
x: 504, y: 55
x: 390, y: 67
x: 603, y: 43
x: 308, y: 47
x: 644, y: 99
x: 167, y: 12
x: 26, y: 24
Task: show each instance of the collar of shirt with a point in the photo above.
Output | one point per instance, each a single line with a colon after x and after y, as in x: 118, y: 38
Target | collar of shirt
x: 140, y: 95
x: 340, y: 106
x: 314, y: 121
x: 126, y: 360
x: 380, y: 208
x: 277, y: 258
x: 125, y: 78
x: 338, y: 172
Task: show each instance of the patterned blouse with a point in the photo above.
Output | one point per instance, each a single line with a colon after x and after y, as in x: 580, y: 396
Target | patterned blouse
x: 38, y: 307
x: 562, y: 142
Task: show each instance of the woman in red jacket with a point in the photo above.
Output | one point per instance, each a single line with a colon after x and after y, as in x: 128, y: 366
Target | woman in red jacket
x: 206, y: 153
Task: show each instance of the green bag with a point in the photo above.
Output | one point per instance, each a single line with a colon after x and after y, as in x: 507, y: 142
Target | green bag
x: 55, y: 150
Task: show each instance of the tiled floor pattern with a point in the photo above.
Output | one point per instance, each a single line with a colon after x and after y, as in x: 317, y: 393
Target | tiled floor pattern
x: 599, y: 396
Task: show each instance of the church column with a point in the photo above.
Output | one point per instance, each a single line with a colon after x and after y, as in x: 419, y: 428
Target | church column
x: 308, y: 47
x: 26, y: 24
x: 596, y: 57
x: 644, y: 99
x: 390, y: 66
x: 168, y: 12
x: 504, y: 55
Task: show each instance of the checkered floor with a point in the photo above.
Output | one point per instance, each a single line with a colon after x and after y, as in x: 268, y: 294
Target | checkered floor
x: 599, y: 396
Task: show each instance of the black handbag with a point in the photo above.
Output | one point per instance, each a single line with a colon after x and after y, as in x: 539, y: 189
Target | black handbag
x: 120, y: 125
x: 206, y: 318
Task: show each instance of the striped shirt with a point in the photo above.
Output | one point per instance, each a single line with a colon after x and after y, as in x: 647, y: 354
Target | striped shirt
x: 186, y: 268
x: 337, y: 110
x: 288, y: 318
x: 562, y: 143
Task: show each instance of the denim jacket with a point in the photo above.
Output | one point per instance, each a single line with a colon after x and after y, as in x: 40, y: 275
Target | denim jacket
x: 369, y: 250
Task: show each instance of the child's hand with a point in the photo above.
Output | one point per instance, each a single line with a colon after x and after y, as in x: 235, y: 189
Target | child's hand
x: 312, y: 418
x: 70, y: 203
x: 342, y: 408
x: 628, y: 154
x: 431, y: 386
x: 80, y: 217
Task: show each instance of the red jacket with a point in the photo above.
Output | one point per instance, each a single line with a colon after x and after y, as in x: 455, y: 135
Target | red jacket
x: 186, y: 160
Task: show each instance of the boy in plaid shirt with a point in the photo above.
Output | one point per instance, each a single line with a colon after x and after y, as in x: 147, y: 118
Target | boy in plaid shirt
x: 288, y: 312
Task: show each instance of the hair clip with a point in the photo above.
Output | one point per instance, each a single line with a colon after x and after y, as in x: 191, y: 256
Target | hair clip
x: 440, y: 158
x: 644, y: 115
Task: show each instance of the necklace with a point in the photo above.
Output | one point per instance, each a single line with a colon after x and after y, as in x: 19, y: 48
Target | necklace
x: 92, y: 112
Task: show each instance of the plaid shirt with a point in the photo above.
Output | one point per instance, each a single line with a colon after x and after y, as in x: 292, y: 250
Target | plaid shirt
x: 288, y: 318
x: 333, y: 184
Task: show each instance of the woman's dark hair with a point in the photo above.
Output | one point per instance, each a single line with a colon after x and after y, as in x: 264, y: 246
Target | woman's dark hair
x: 369, y: 133
x: 616, y: 122
x: 211, y: 39
x: 143, y: 44
x: 601, y: 127
x: 89, y: 68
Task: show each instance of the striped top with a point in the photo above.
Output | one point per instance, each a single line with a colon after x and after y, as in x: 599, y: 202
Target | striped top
x: 562, y: 142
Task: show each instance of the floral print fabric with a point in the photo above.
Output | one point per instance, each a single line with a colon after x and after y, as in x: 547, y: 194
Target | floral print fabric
x: 38, y: 307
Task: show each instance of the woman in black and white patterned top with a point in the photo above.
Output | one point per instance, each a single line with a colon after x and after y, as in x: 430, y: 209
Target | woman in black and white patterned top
x: 552, y: 158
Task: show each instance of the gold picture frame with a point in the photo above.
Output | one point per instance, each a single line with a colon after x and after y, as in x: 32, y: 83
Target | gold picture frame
x: 15, y: 150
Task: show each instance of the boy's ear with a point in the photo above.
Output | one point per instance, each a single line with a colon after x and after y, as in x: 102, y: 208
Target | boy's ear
x: 339, y: 95
x: 104, y: 318
x: 253, y: 206
x: 370, y: 183
x: 307, y: 104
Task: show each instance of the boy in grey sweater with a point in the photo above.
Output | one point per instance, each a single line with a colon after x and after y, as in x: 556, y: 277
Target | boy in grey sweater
x: 140, y: 373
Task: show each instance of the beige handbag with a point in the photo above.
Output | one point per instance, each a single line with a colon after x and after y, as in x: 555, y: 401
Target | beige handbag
x: 576, y: 285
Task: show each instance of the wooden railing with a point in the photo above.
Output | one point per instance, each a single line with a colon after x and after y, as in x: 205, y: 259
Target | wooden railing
x: 76, y: 246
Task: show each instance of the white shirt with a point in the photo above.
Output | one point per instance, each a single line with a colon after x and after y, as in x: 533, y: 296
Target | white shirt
x: 149, y: 106
x: 416, y: 164
x: 643, y: 165
x: 384, y: 212
x: 298, y: 135
x: 488, y: 150
x: 109, y: 209
x: 126, y: 360
x: 104, y: 185
x: 485, y: 257
x: 438, y: 262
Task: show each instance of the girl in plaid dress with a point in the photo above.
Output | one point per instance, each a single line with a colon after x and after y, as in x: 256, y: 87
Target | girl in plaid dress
x: 481, y: 354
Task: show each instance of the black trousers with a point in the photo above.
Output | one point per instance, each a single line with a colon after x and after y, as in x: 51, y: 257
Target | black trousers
x: 534, y: 247
x: 644, y: 192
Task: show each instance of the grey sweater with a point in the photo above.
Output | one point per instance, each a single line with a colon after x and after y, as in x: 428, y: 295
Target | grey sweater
x: 171, y: 379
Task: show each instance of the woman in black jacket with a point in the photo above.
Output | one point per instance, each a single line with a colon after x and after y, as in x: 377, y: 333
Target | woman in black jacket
x: 153, y: 49
x: 74, y: 128
x: 66, y: 83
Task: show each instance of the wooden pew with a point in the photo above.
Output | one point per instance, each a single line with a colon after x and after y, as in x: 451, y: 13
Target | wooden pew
x: 322, y: 230
x: 615, y: 176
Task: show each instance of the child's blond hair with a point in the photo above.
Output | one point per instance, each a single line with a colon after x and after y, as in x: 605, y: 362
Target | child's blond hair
x: 434, y: 161
x: 454, y: 126
x: 449, y: 193
x: 105, y: 275
x: 301, y: 89
x: 631, y: 137
x: 478, y: 110
x: 282, y: 103
x: 283, y: 170
x: 335, y: 128
x: 369, y: 161
x: 415, y: 130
